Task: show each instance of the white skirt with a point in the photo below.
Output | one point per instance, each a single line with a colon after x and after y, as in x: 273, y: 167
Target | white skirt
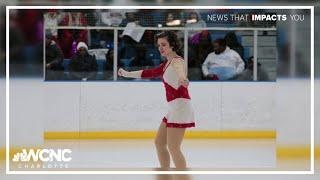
x: 180, y: 114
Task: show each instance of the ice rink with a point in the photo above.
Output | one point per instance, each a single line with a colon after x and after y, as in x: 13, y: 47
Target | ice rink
x: 141, y: 154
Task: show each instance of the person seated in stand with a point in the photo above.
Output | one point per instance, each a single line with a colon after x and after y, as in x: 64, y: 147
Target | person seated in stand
x: 222, y: 64
x: 172, y: 21
x: 194, y: 20
x: 54, y: 59
x: 83, y: 66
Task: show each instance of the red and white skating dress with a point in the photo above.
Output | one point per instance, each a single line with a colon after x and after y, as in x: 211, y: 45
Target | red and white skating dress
x: 180, y: 114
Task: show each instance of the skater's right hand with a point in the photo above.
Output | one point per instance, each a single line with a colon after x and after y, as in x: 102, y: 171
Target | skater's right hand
x: 184, y: 82
x: 122, y: 72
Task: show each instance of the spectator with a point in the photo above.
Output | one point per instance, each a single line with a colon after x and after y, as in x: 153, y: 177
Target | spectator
x: 201, y: 49
x: 131, y: 17
x: 111, y: 17
x: 195, y: 21
x: 171, y: 20
x: 74, y: 19
x: 232, y: 43
x: 247, y: 74
x: 54, y: 60
x: 132, y: 27
x: 91, y: 17
x: 133, y: 31
x: 131, y: 36
x: 83, y: 66
x: 30, y: 22
x: 67, y: 37
x: 222, y: 64
x: 197, y: 54
x: 205, y: 45
x: 28, y: 18
x: 51, y: 20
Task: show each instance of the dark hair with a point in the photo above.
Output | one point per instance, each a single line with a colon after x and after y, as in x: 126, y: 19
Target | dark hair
x: 221, y: 42
x: 198, y: 18
x: 231, y: 39
x: 172, y: 38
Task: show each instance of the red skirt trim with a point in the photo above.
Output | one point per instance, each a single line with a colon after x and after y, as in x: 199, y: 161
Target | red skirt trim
x: 178, y: 125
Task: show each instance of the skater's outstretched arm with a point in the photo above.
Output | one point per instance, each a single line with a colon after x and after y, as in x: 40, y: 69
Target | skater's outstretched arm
x: 146, y: 73
x: 129, y: 74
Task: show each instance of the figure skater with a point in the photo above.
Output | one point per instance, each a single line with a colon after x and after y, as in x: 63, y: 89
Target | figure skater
x: 180, y: 115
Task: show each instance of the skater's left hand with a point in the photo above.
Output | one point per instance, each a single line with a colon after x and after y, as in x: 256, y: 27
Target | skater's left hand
x: 184, y: 82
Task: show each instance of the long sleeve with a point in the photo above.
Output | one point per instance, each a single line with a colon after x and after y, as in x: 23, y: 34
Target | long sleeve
x: 205, y: 65
x: 240, y: 63
x: 57, y: 56
x: 153, y: 73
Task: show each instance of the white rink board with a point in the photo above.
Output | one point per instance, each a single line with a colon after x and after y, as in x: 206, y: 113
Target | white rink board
x: 26, y: 112
x: 134, y: 106
x: 63, y: 114
x: 247, y: 105
x: 61, y: 105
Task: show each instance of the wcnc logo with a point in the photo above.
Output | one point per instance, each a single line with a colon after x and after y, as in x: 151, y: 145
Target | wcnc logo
x: 48, y: 158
